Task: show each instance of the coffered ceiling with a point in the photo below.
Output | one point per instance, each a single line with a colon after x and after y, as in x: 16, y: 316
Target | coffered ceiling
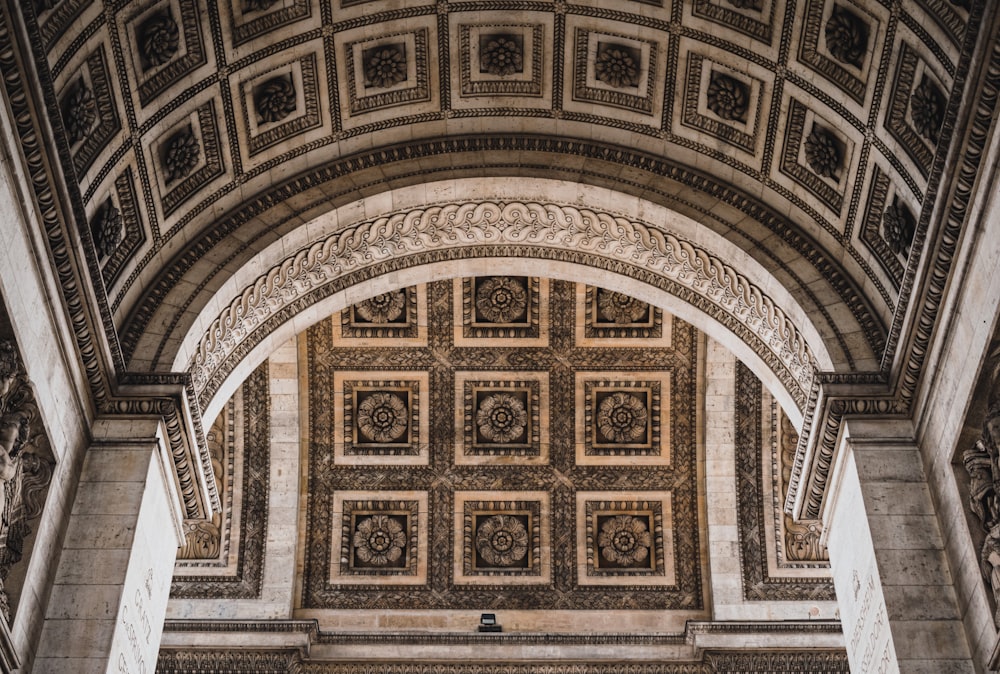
x: 194, y: 134
x: 501, y: 443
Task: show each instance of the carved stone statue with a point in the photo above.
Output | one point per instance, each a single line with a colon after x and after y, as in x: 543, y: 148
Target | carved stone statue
x: 24, y: 472
x: 982, y: 462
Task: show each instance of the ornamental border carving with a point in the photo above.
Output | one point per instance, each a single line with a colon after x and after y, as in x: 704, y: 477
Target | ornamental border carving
x: 483, y: 228
x: 195, y: 661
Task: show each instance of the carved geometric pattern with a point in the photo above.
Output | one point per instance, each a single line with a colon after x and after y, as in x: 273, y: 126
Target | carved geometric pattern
x: 135, y: 232
x: 755, y: 19
x: 95, y: 75
x: 496, y: 576
x: 379, y: 420
x: 155, y: 78
x: 621, y: 420
x: 500, y: 308
x: 816, y: 52
x: 381, y: 538
x: 388, y: 70
x: 610, y: 315
x: 501, y: 537
x: 871, y: 230
x: 390, y: 315
x: 736, y: 129
x: 501, y: 414
x: 300, y: 78
x: 248, y: 24
x: 237, y: 573
x: 910, y: 71
x: 625, y: 538
x: 952, y: 15
x: 627, y: 81
x: 501, y: 59
x: 758, y: 582
x: 204, y: 661
x: 395, y: 318
x: 202, y: 126
x: 57, y: 18
x: 800, y: 546
x: 795, y: 165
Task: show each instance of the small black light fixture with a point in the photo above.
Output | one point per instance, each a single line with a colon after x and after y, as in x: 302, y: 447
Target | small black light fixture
x: 488, y: 623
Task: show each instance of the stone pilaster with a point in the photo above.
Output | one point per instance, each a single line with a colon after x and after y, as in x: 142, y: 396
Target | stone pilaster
x: 894, y: 584
x: 110, y: 592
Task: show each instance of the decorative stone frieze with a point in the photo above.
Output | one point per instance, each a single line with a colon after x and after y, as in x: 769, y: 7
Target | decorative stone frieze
x: 508, y: 224
x: 767, y: 579
x: 223, y: 556
x: 210, y: 661
x: 26, y: 466
x: 803, y: 539
x: 982, y: 463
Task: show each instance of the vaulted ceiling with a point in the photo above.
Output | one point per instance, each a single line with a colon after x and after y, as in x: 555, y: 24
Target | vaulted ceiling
x: 771, y: 165
x: 197, y: 134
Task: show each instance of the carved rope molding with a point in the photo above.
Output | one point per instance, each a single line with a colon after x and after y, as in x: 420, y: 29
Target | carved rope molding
x: 477, y: 224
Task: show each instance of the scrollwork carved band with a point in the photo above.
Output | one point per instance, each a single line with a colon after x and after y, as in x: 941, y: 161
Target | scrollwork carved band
x: 528, y: 225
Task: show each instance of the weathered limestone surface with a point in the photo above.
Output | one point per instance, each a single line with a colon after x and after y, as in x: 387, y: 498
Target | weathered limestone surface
x: 893, y: 580
x: 110, y: 592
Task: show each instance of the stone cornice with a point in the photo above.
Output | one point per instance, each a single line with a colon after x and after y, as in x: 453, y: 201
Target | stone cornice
x: 89, y: 316
x: 916, y: 322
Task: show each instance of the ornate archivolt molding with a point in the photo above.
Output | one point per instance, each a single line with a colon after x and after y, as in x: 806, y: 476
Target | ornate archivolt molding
x: 485, y: 228
x: 911, y: 333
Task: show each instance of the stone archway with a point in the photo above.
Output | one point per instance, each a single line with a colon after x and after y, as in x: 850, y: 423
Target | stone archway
x: 547, y: 228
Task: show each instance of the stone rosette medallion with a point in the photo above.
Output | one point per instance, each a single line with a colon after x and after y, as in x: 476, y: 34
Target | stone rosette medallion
x: 393, y: 318
x: 625, y: 538
x: 615, y: 69
x: 380, y: 420
x: 604, y: 315
x: 501, y: 538
x: 380, y: 537
x: 388, y: 69
x: 501, y: 417
x: 623, y: 420
x: 501, y: 308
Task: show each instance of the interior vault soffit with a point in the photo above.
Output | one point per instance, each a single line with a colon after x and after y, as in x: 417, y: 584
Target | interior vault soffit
x: 828, y: 109
x: 838, y: 114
